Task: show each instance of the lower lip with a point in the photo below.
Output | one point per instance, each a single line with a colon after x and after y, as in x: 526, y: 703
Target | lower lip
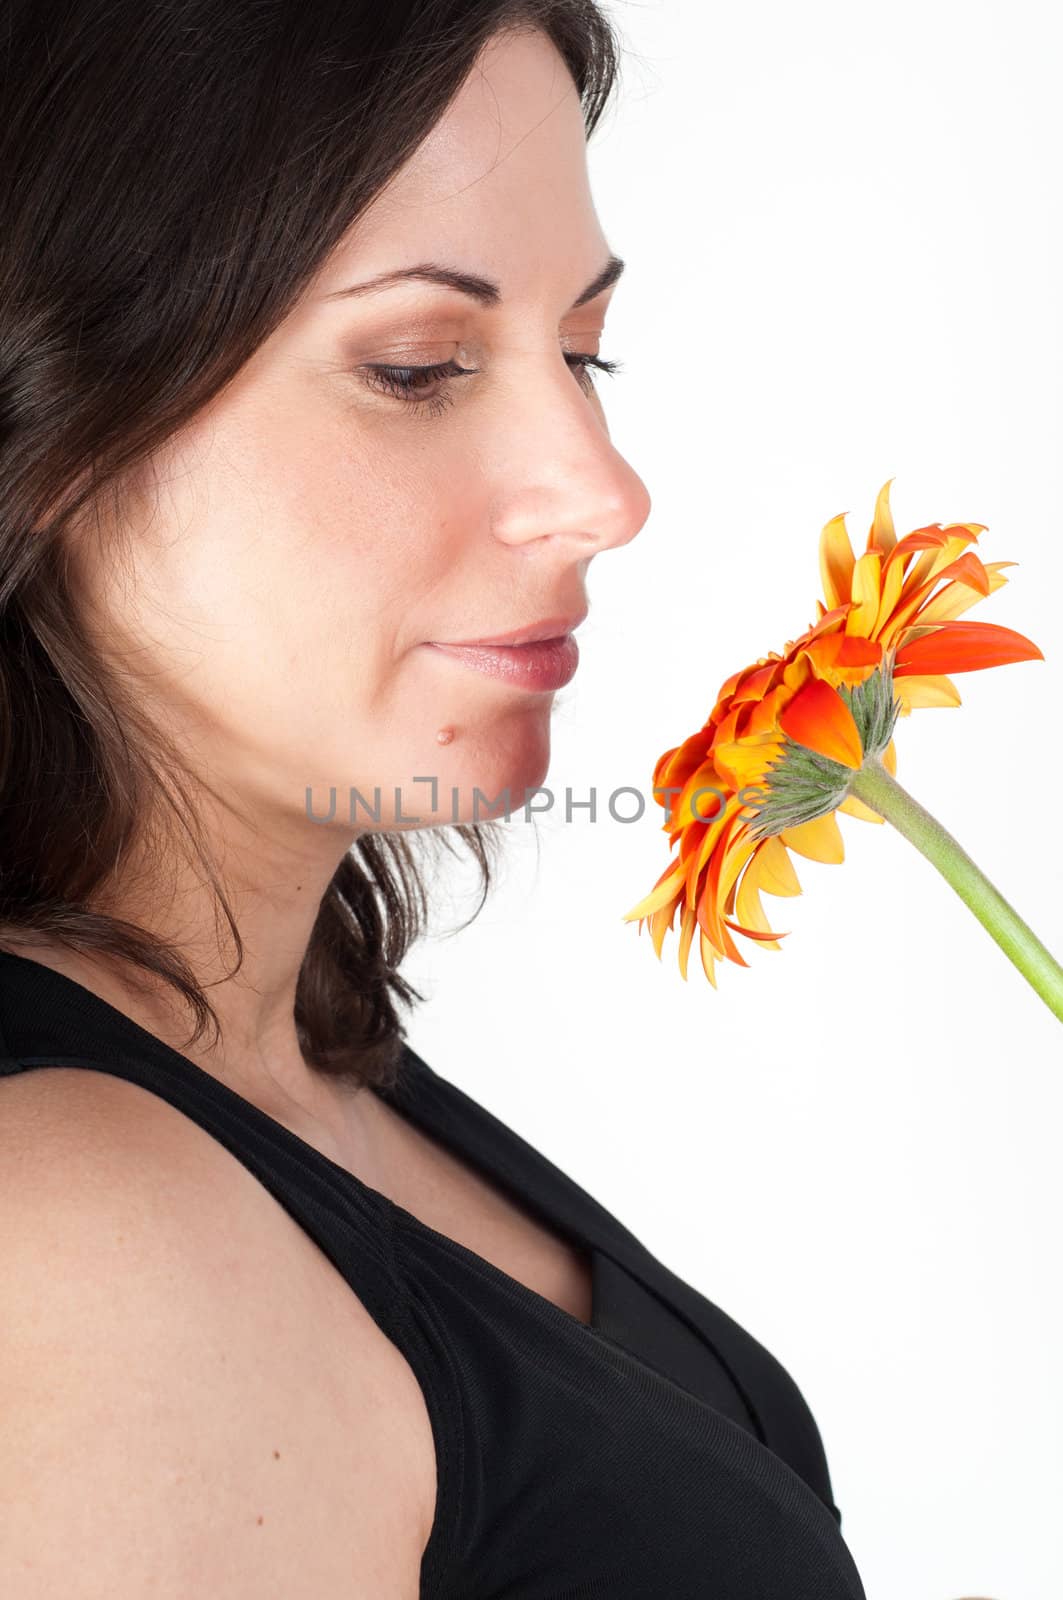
x: 545, y: 665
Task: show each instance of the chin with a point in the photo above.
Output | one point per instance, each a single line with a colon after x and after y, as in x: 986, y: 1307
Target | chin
x: 506, y: 768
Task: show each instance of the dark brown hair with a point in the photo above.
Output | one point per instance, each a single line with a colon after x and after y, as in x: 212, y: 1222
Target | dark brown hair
x: 173, y: 173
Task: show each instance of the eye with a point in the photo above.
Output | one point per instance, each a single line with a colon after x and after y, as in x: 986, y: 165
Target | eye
x: 407, y: 383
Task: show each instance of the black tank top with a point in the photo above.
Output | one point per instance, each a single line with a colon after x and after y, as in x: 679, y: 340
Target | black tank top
x: 660, y: 1453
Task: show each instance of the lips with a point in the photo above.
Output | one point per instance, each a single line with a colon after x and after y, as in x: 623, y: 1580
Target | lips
x: 540, y: 665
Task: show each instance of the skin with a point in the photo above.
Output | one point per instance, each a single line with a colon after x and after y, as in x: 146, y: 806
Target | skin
x: 311, y: 535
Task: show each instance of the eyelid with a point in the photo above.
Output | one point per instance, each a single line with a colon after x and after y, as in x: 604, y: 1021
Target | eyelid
x: 399, y: 382
x: 426, y: 354
x: 418, y: 346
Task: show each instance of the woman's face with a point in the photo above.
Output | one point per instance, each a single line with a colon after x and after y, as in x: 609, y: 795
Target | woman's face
x: 315, y: 538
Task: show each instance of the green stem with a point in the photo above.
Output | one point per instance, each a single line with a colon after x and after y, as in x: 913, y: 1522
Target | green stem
x: 878, y: 789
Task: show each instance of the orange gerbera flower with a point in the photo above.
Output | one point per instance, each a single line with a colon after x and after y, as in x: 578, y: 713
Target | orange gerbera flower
x: 788, y: 734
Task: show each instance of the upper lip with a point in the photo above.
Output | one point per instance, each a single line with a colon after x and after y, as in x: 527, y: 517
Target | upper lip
x: 548, y: 628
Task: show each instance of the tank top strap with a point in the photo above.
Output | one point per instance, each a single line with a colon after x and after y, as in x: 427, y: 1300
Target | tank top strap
x: 48, y: 1020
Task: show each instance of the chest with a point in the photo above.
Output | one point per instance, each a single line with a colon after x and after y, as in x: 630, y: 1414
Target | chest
x: 428, y: 1180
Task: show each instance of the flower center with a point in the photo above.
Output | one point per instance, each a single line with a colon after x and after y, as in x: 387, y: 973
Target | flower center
x: 801, y: 784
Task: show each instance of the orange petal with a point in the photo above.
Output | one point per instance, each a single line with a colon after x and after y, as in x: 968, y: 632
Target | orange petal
x: 728, y: 725
x: 954, y: 541
x: 968, y: 569
x: 725, y: 863
x: 830, y: 621
x: 696, y: 802
x: 708, y: 845
x: 928, y: 538
x: 755, y: 682
x: 838, y: 652
x: 730, y: 949
x: 707, y: 908
x: 676, y: 766
x: 728, y: 688
x: 964, y: 647
x: 766, y: 712
x: 818, y: 718
x: 952, y: 601
x: 689, y: 842
x: 769, y: 940
x: 710, y: 919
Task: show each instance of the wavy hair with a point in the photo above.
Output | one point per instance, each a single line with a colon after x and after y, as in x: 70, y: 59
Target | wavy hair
x: 171, y: 177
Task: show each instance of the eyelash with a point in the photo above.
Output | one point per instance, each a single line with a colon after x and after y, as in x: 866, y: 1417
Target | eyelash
x: 401, y: 382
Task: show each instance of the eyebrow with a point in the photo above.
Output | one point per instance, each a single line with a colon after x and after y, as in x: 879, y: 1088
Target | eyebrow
x: 480, y: 289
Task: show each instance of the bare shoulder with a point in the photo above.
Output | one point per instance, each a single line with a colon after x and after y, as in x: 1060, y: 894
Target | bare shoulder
x: 173, y: 1422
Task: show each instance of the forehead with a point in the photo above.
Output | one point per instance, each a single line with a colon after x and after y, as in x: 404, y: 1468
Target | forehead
x: 497, y: 184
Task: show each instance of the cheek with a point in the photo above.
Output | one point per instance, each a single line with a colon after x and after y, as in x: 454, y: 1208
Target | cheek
x: 375, y: 526
x: 298, y: 574
x: 335, y: 596
x: 355, y: 511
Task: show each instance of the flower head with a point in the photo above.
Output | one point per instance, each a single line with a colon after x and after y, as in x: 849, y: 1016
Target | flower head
x: 766, y: 773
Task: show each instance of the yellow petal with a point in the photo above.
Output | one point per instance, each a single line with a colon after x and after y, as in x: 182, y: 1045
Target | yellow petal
x: 867, y: 592
x: 739, y: 850
x: 775, y: 870
x: 856, y: 808
x: 740, y: 763
x: 932, y: 689
x: 686, y: 934
x: 660, y: 922
x: 748, y: 909
x: 892, y: 581
x: 835, y: 562
x: 667, y: 889
x: 708, y: 959
x: 883, y: 537
x: 819, y: 840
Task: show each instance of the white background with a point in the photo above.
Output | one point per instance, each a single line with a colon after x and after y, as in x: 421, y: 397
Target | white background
x: 843, y: 232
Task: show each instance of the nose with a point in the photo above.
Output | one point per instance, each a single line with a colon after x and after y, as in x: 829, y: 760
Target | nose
x: 562, y: 478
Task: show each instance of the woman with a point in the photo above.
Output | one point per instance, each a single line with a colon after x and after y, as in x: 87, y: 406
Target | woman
x: 287, y: 1313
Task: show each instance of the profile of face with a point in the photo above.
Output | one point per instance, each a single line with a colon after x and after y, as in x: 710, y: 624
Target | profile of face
x: 316, y: 534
